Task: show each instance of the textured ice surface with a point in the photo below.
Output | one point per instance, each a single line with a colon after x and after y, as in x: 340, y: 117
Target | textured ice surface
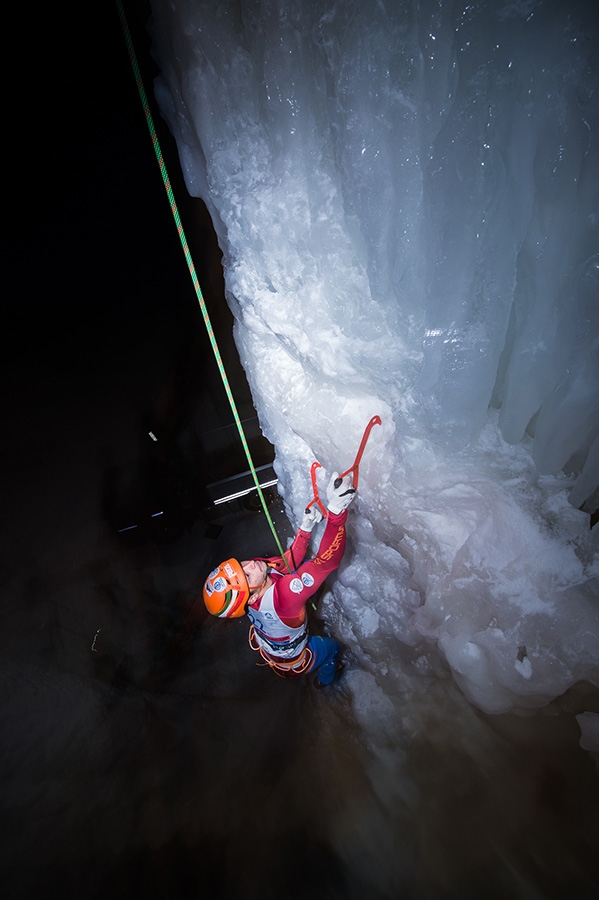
x: 406, y: 196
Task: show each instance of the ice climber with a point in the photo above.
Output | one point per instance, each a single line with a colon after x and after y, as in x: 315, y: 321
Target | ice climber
x: 273, y: 593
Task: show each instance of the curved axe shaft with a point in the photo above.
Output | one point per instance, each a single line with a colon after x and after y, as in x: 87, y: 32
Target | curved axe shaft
x: 376, y: 420
x: 316, y: 499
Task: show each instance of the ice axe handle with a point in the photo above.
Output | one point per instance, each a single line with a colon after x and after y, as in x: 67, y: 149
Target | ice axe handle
x: 376, y: 420
x: 316, y: 498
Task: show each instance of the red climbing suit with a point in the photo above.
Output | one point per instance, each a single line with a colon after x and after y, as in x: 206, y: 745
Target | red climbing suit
x: 284, y: 636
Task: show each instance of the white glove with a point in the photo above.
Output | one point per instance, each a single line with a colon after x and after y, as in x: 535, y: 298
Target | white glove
x: 312, y: 517
x: 340, y: 497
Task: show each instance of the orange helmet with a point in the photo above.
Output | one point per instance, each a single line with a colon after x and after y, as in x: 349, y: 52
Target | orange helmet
x: 226, y: 590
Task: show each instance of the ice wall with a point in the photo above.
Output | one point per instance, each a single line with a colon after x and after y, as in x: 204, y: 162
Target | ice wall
x: 406, y: 196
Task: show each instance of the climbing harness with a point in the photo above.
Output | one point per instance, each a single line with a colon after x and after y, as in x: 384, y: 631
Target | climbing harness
x: 285, y: 668
x: 192, y: 271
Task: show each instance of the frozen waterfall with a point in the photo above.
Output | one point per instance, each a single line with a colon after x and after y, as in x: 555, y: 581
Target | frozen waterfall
x: 406, y: 196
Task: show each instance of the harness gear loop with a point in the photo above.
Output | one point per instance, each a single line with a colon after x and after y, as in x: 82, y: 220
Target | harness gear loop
x: 285, y: 668
x: 192, y: 271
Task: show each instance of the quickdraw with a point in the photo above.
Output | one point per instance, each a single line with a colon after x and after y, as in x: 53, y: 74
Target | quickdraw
x: 355, y: 467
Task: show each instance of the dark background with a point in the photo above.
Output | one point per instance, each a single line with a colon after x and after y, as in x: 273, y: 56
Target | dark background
x: 98, y: 297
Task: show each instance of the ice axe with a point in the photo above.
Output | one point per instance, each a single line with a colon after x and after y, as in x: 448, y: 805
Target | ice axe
x: 376, y: 420
x: 316, y: 499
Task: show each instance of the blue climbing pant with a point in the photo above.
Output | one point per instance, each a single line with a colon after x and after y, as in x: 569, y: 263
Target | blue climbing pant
x: 325, y: 654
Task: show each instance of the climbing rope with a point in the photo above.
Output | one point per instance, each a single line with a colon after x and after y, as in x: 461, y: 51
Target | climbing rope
x: 192, y: 271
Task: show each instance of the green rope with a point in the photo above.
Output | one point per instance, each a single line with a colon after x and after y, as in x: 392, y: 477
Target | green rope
x: 192, y: 271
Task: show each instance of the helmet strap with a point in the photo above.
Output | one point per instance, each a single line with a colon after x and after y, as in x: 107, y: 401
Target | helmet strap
x: 259, y: 588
